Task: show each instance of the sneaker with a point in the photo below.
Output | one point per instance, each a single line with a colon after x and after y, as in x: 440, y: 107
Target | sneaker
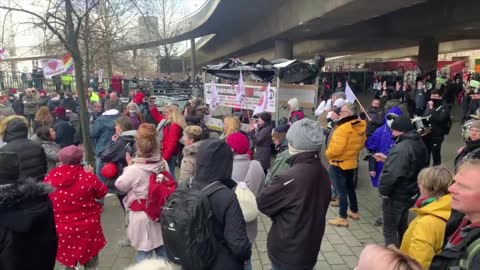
x: 339, y: 222
x: 378, y: 222
x: 124, y: 242
x: 352, y: 215
x: 335, y: 203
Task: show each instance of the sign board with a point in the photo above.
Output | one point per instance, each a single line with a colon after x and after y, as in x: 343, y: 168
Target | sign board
x: 215, y: 124
x: 227, y: 93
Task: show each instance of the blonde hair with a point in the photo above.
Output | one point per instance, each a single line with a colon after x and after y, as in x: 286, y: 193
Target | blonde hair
x: 473, y: 162
x: 194, y: 133
x: 175, y: 116
x: 153, y: 264
x: 4, y: 123
x: 232, y: 125
x: 436, y: 180
x: 44, y: 116
x: 146, y: 140
x: 392, y: 257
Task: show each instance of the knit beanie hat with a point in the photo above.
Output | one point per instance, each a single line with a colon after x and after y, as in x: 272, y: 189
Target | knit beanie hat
x: 339, y: 103
x: 265, y: 116
x: 305, y: 135
x: 402, y: 124
x: 239, y: 143
x: 60, y: 112
x: 9, y: 168
x: 71, y: 155
x: 475, y: 124
x: 294, y: 104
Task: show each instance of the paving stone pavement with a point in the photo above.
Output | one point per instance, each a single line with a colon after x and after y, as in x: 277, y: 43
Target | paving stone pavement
x: 340, y: 249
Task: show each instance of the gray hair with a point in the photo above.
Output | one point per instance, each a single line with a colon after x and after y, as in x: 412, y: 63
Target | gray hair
x: 338, y: 95
x: 351, y: 108
x: 110, y: 104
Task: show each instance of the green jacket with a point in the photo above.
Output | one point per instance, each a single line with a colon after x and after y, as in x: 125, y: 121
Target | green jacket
x: 279, y: 165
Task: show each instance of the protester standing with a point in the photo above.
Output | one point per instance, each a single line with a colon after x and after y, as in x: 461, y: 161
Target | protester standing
x: 297, y: 201
x: 77, y: 210
x: 192, y: 139
x: 261, y: 135
x: 46, y: 136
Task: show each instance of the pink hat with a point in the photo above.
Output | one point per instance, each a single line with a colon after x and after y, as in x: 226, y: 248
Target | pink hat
x: 239, y: 143
x: 71, y: 155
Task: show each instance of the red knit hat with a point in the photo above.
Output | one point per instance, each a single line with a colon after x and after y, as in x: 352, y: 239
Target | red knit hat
x: 239, y: 143
x: 60, y: 111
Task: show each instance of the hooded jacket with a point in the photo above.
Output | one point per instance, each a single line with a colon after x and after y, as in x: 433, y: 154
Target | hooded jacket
x: 65, y: 132
x: 215, y: 163
x: 376, y: 120
x: 103, y: 130
x: 115, y: 153
x: 297, y: 201
x: 51, y: 151
x: 33, y: 161
x: 425, y: 234
x: 381, y: 141
x: 187, y: 168
x: 28, y: 239
x: 77, y: 213
x: 406, y: 159
x: 346, y: 142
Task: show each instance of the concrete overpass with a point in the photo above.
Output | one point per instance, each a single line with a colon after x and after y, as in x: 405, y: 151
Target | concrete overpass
x: 301, y: 28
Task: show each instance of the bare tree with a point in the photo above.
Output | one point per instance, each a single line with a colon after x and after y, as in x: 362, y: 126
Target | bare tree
x: 66, y: 21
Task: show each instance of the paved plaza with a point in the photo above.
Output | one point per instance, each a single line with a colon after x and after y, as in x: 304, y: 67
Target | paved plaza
x: 340, y: 246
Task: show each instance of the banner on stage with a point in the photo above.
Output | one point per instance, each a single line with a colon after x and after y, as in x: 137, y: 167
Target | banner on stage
x: 227, y: 95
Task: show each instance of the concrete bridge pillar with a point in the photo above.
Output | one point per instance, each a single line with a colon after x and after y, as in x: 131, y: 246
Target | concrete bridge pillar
x: 428, y: 54
x: 194, y: 58
x: 283, y: 49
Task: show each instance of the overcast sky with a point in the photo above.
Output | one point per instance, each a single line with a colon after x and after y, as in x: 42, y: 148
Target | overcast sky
x: 27, y: 36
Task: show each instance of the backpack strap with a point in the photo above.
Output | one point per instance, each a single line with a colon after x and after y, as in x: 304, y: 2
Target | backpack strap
x: 212, y: 188
x: 473, y: 249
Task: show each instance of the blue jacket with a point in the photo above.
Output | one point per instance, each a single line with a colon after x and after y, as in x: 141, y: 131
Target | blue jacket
x: 103, y: 130
x: 381, y: 141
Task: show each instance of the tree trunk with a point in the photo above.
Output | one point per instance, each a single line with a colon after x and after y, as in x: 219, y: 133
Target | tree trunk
x: 73, y: 47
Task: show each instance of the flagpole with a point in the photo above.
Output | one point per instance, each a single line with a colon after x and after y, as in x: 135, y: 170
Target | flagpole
x: 277, y: 102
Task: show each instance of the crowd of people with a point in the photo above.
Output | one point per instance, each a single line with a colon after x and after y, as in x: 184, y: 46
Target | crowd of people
x: 193, y: 202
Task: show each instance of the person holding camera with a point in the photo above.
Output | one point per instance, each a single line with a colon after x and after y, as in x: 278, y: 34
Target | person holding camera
x: 440, y: 121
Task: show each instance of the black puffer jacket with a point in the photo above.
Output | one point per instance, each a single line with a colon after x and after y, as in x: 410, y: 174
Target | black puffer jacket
x: 33, y: 161
x: 439, y: 118
x: 470, y: 151
x: 406, y: 159
x: 297, y: 202
x: 215, y: 163
x: 28, y: 238
x: 65, y: 133
x: 115, y: 153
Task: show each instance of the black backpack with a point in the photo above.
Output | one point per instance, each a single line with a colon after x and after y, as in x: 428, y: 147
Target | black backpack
x: 187, y: 227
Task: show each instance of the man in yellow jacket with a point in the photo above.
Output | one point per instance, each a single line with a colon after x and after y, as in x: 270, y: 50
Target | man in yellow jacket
x: 346, y: 142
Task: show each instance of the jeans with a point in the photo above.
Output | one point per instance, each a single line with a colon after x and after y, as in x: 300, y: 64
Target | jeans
x: 98, y: 169
x: 172, y: 164
x: 344, y: 181
x: 434, y: 147
x: 334, y: 186
x: 144, y: 255
x: 395, y: 220
x: 248, y: 265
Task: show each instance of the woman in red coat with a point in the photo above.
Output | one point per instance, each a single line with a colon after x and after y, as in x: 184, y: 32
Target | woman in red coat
x: 77, y: 212
x: 170, y: 131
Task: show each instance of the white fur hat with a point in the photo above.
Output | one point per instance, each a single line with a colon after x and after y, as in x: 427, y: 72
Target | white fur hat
x: 293, y: 102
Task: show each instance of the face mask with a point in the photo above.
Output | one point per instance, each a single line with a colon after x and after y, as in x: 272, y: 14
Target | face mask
x: 132, y: 111
x: 436, y: 102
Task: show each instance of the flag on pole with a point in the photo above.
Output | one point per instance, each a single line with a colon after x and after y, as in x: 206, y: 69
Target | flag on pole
x: 214, y: 98
x: 263, y: 103
x: 3, y: 54
x: 349, y: 93
x: 240, y: 98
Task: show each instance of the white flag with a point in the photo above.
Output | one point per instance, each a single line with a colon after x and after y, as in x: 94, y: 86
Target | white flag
x: 240, y: 98
x: 263, y: 103
x: 349, y: 93
x: 214, y: 98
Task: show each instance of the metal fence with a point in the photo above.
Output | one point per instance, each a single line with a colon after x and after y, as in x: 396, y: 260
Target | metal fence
x: 20, y: 81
